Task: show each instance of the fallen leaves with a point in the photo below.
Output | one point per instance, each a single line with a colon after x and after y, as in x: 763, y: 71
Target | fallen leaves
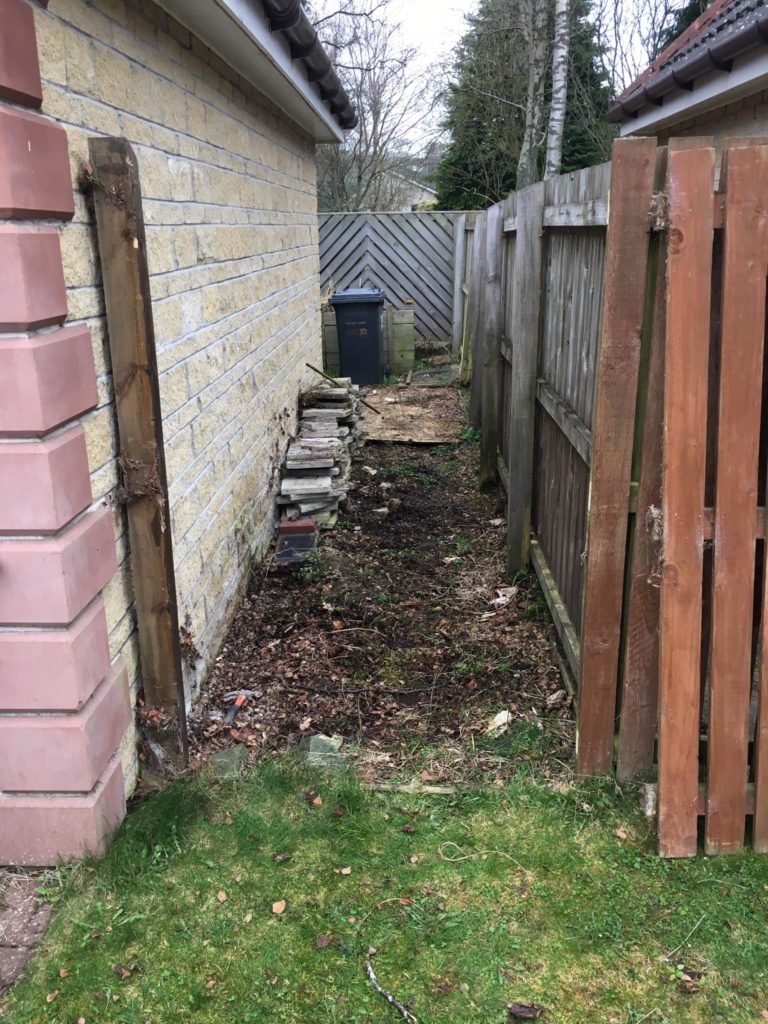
x: 343, y: 871
x: 51, y: 996
x: 281, y: 858
x: 278, y: 907
x: 323, y: 941
x: 221, y: 896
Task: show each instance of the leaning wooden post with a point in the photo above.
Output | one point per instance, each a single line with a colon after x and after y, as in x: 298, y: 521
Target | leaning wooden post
x: 477, y: 299
x: 524, y: 334
x: 123, y: 251
x: 618, y: 363
x: 459, y: 259
x: 490, y: 346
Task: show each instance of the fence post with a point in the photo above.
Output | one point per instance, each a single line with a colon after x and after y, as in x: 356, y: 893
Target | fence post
x: 490, y: 346
x: 626, y: 258
x: 477, y: 302
x: 524, y: 335
x: 123, y: 252
x: 459, y: 257
x: 640, y: 677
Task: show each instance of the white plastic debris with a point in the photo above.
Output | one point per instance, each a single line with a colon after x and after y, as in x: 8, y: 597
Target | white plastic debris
x: 503, y: 596
x: 499, y: 724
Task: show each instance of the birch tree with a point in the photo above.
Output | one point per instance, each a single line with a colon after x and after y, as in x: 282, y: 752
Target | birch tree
x: 557, y: 109
x: 535, y: 29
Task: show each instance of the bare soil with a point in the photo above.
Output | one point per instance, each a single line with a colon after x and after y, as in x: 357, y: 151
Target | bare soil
x: 393, y: 636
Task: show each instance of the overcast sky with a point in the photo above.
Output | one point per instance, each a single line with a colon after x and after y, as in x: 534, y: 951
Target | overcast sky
x: 433, y: 26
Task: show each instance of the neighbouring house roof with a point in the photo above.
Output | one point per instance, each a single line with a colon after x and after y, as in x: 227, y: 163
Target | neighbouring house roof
x: 721, y: 56
x: 273, y: 45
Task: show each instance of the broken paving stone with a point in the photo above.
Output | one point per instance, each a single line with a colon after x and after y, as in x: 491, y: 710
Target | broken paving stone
x: 323, y: 751
x: 230, y: 762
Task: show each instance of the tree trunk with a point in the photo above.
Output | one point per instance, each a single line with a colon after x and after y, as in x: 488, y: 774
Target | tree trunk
x: 559, y: 88
x: 536, y: 23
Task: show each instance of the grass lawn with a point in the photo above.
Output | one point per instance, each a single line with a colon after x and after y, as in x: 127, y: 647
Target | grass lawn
x: 524, y: 893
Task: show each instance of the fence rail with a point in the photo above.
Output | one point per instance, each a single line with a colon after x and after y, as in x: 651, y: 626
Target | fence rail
x: 626, y: 349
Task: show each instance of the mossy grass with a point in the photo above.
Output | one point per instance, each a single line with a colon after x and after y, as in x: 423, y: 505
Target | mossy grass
x: 524, y: 892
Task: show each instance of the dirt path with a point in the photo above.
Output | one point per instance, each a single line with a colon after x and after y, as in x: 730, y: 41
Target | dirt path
x: 394, y: 637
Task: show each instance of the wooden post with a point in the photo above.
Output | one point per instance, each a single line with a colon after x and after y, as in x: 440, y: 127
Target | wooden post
x: 626, y: 259
x: 472, y: 259
x: 477, y: 300
x: 640, y: 678
x: 459, y: 256
x: 123, y: 252
x: 524, y: 334
x: 490, y: 346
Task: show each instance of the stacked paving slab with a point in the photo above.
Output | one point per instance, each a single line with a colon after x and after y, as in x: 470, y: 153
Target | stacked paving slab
x: 316, y: 473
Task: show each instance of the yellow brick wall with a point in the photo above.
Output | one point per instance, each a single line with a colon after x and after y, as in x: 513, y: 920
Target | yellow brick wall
x: 747, y: 117
x: 230, y: 211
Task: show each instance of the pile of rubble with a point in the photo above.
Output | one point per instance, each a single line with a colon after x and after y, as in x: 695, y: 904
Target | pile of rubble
x: 316, y: 472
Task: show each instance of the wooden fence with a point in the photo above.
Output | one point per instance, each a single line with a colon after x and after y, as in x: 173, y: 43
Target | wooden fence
x: 416, y: 258
x: 619, y: 383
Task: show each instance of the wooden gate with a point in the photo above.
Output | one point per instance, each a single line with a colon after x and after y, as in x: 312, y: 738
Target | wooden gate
x: 411, y: 256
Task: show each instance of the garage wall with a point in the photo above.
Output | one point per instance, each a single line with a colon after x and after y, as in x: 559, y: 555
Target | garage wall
x: 230, y: 210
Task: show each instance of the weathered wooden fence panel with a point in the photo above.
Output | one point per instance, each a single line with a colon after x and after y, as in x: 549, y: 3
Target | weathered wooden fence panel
x: 410, y: 256
x: 650, y: 476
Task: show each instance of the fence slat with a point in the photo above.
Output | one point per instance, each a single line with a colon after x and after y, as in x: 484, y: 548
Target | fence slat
x: 524, y: 333
x: 738, y: 439
x: 686, y: 367
x: 634, y: 162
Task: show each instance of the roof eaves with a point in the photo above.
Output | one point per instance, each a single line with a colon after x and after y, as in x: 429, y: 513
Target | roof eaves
x: 289, y: 18
x: 675, y: 69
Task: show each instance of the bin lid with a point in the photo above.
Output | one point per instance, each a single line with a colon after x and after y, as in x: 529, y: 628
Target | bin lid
x: 374, y: 296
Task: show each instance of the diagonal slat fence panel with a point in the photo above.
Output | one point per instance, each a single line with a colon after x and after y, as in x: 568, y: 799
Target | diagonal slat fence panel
x: 410, y: 256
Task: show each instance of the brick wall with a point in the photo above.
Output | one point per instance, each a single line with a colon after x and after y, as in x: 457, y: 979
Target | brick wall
x: 747, y: 116
x: 230, y: 209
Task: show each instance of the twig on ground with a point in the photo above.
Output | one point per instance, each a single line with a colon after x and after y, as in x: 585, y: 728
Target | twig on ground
x: 461, y: 855
x: 690, y: 933
x: 405, y: 1014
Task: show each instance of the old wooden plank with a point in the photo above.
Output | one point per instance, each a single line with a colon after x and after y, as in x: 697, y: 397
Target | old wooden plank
x: 589, y: 214
x: 686, y: 370
x: 640, y: 678
x: 477, y: 301
x: 738, y: 439
x: 490, y: 345
x: 634, y: 163
x: 123, y: 254
x: 564, y: 627
x: 460, y: 249
x: 524, y: 333
x: 579, y: 436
